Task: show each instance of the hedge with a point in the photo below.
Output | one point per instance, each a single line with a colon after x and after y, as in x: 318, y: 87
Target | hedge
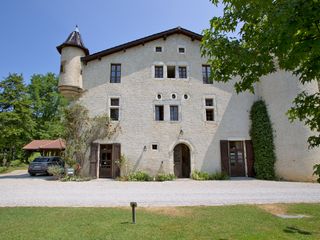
x: 262, y: 138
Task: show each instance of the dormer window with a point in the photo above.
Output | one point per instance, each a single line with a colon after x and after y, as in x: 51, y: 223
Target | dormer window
x: 158, y: 49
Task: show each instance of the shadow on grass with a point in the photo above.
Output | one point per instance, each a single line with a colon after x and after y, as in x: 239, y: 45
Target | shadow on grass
x: 296, y: 230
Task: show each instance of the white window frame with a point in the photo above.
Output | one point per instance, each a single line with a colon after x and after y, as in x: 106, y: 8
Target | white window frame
x: 181, y: 46
x: 174, y: 99
x: 214, y: 107
x: 179, y: 112
x: 161, y: 96
x: 154, y: 71
x: 188, y: 97
x: 176, y: 74
x: 187, y: 72
x: 158, y: 146
x: 183, y: 64
x: 155, y: 49
x: 159, y: 103
x: 114, y: 107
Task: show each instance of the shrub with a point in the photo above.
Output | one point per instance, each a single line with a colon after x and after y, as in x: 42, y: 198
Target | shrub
x: 123, y: 178
x: 316, y: 169
x: 198, y: 175
x: 75, y: 179
x: 56, y: 171
x: 3, y: 169
x: 165, y: 177
x: 262, y: 139
x: 15, y: 163
x: 219, y: 176
x: 139, y: 176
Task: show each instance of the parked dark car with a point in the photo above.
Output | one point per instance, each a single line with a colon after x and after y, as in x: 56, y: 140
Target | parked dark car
x: 40, y: 165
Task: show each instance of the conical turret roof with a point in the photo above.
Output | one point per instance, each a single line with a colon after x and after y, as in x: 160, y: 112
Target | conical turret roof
x: 74, y: 40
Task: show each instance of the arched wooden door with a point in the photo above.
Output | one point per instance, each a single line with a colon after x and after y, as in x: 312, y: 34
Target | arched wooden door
x: 181, y: 159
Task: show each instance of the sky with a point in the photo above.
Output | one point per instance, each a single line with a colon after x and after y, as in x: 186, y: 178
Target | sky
x: 30, y: 30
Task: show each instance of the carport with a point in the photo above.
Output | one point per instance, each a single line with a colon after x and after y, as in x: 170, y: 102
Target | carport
x: 46, y: 147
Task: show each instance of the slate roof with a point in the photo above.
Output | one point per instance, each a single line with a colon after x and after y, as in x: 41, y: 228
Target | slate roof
x: 74, y: 40
x: 57, y: 144
x: 123, y: 47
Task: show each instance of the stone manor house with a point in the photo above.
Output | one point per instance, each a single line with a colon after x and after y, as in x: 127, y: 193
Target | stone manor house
x: 172, y: 118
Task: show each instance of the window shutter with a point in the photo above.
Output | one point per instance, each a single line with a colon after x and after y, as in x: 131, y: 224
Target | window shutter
x: 250, y: 158
x: 116, y: 154
x: 93, y: 159
x: 224, y: 156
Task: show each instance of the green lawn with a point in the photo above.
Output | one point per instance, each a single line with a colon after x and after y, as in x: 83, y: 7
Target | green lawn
x: 227, y: 222
x: 11, y: 169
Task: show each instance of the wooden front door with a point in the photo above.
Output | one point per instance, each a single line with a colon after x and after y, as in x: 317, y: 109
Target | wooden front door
x: 236, y: 159
x: 181, y: 158
x: 109, y: 160
x: 105, y: 165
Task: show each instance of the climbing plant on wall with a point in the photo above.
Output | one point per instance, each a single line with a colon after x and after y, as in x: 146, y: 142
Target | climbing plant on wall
x: 262, y: 138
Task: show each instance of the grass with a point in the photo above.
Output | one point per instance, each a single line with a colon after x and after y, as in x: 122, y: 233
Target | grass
x: 223, y: 222
x: 11, y: 169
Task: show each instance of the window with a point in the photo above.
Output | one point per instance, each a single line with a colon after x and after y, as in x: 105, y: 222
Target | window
x: 154, y: 146
x: 174, y: 113
x: 173, y: 96
x: 114, y: 109
x: 171, y: 71
x: 209, y: 115
x: 181, y: 50
x: 209, y: 108
x: 159, y: 96
x: 61, y: 68
x: 186, y: 96
x: 182, y: 72
x: 209, y: 102
x: 206, y: 74
x: 159, y: 116
x: 158, y: 71
x: 115, y: 73
x: 115, y: 102
x: 158, y: 49
x: 114, y: 114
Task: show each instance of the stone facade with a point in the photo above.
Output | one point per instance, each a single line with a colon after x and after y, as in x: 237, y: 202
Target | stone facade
x: 139, y: 92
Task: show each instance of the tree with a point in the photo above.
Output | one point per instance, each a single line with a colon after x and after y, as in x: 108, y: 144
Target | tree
x: 16, y: 123
x: 262, y: 138
x: 81, y: 131
x: 47, y: 106
x: 273, y: 34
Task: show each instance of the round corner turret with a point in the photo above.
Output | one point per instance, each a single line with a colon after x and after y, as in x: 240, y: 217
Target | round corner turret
x: 70, y: 80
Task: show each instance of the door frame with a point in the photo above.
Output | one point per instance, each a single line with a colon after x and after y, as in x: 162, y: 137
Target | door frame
x: 110, y: 146
x: 184, y: 150
x: 98, y: 162
x: 244, y: 153
x: 192, y: 153
x: 244, y: 157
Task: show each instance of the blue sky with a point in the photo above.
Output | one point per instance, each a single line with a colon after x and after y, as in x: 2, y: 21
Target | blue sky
x: 31, y: 30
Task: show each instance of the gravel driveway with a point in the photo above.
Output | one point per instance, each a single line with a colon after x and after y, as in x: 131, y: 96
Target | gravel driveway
x: 18, y: 189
